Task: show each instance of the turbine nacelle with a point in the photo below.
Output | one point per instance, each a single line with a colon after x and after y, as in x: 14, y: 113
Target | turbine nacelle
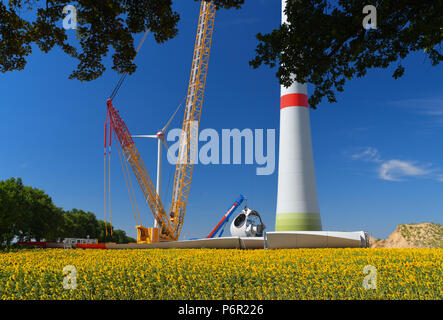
x: 161, y: 133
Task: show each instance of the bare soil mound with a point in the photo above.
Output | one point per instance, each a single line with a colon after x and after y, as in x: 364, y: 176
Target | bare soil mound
x: 422, y: 235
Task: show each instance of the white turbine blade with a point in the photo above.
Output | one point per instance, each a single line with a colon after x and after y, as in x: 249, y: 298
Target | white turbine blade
x: 166, y: 145
x: 170, y: 120
x: 144, y: 136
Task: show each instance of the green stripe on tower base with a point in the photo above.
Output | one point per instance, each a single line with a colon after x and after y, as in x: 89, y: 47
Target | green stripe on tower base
x: 300, y: 221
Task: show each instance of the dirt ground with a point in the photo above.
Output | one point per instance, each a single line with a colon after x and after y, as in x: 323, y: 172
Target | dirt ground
x: 422, y: 235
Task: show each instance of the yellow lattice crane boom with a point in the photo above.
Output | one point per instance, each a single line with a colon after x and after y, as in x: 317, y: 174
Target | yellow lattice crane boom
x: 169, y: 226
x: 194, y: 104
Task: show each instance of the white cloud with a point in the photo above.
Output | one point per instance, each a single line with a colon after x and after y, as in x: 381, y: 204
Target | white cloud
x: 433, y: 108
x: 367, y: 154
x: 395, y: 170
x: 423, y: 106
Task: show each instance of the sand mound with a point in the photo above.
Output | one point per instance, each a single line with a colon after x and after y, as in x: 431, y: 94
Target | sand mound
x: 422, y: 235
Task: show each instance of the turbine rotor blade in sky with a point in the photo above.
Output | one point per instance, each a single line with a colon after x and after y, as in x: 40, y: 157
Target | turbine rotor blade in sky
x: 144, y: 136
x: 170, y: 120
x: 166, y: 145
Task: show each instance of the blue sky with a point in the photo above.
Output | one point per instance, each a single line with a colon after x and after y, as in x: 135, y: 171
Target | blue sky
x: 377, y: 152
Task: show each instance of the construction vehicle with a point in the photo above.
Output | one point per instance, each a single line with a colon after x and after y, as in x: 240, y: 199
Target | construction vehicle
x: 220, y: 227
x: 169, y: 225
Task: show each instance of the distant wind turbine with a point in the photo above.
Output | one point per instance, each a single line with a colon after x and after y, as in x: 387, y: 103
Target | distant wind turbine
x: 160, y: 136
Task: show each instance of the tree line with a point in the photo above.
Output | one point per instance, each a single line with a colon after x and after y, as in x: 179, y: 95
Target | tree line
x: 27, y: 213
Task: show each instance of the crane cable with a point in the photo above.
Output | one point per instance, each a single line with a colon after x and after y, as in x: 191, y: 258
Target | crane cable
x: 171, y: 171
x: 109, y: 168
x: 113, y: 94
x: 107, y: 143
x: 104, y: 172
x: 126, y: 181
x: 127, y: 186
x: 123, y: 77
x: 132, y: 188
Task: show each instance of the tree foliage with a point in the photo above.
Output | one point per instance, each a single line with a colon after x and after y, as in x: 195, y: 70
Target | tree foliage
x: 28, y: 213
x: 12, y: 209
x: 325, y: 44
x: 102, y: 25
x: 81, y: 224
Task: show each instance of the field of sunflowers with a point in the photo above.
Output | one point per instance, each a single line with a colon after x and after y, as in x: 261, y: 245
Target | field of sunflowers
x: 222, y: 274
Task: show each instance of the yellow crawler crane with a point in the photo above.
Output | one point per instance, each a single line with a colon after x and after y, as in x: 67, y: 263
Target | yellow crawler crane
x: 169, y: 226
x: 194, y: 104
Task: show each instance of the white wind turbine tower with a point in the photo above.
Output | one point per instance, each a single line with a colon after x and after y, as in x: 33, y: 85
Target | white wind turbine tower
x: 160, y: 136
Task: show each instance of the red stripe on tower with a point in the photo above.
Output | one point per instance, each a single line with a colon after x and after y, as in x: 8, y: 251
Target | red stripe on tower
x: 294, y: 100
